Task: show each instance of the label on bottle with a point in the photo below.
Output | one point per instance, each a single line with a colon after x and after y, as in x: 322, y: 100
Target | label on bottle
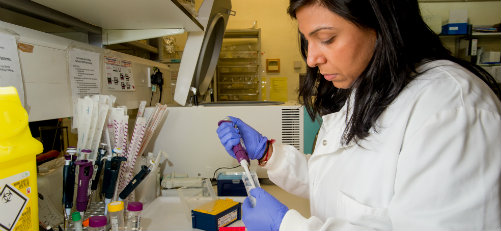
x: 134, y: 222
x: 114, y: 223
x: 14, y: 202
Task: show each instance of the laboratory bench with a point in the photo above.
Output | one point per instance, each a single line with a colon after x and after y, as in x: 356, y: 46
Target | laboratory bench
x: 168, y: 212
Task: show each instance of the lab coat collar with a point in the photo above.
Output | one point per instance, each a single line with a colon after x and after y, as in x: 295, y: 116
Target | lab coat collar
x: 430, y: 65
x: 337, y: 122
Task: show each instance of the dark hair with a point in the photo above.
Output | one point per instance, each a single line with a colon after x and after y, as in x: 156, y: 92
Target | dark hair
x: 404, y: 41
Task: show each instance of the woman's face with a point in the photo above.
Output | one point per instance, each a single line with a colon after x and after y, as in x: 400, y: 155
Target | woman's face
x: 339, y: 48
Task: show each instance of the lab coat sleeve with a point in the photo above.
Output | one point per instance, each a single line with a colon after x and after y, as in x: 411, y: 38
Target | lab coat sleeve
x: 448, y: 172
x: 288, y: 168
x: 293, y: 221
x: 446, y: 179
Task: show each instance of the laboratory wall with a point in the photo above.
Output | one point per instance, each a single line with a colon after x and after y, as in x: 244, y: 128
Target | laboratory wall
x: 46, y: 75
x: 479, y: 13
x: 279, y: 39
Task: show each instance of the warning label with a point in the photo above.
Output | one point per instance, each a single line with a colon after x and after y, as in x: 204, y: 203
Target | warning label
x: 13, y: 201
x: 15, y: 193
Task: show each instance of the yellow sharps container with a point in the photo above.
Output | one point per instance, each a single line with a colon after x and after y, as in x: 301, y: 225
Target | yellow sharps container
x: 18, y: 173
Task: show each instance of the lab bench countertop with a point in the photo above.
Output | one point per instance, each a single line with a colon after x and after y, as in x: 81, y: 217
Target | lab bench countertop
x: 169, y: 213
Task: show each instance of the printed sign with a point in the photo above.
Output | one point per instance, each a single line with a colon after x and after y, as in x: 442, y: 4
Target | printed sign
x: 10, y: 69
x: 118, y: 74
x: 13, y: 201
x: 84, y: 70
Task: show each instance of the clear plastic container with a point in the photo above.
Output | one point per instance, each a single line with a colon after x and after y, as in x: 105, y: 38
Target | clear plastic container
x: 97, y: 223
x: 194, y: 196
x: 116, y: 216
x: 77, y: 221
x: 134, y: 216
x: 248, y: 185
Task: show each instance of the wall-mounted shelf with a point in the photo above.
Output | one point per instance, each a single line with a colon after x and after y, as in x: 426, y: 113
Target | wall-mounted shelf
x: 486, y: 34
x: 242, y: 33
x: 129, y: 20
x: 476, y: 47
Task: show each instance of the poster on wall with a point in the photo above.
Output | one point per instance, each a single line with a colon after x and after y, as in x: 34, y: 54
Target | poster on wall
x: 278, y: 89
x: 10, y: 70
x: 118, y: 74
x: 84, y: 73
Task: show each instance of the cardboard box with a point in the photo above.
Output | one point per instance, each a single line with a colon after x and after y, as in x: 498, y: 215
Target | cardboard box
x: 455, y: 28
x: 490, y: 57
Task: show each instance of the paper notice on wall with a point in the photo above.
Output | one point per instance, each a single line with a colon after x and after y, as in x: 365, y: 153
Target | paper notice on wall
x: 278, y: 89
x: 10, y: 70
x: 118, y: 74
x: 85, y: 75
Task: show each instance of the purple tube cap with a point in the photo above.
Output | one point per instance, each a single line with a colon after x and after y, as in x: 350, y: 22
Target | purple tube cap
x: 134, y: 206
x: 97, y: 221
x: 83, y: 163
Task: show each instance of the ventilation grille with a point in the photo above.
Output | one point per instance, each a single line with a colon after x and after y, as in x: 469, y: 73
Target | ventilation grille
x: 291, y: 130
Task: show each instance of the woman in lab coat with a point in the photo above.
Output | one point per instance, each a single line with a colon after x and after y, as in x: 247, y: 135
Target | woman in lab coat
x: 410, y: 134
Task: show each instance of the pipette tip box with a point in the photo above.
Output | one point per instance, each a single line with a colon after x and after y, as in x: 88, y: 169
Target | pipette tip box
x: 230, y: 184
x: 215, y: 214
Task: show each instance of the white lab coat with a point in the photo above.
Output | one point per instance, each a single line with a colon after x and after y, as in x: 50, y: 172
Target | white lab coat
x: 433, y: 163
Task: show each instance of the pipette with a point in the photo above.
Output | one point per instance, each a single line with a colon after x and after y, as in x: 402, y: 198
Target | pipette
x: 134, y: 182
x: 240, y: 154
x: 85, y: 172
x: 113, y: 171
x: 106, y: 173
x: 85, y: 154
x: 68, y: 181
x: 98, y: 168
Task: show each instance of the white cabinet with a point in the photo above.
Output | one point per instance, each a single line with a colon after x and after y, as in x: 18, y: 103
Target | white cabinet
x: 129, y: 20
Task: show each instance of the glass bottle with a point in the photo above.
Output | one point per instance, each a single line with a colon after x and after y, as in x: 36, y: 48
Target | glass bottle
x: 97, y: 223
x: 116, y: 215
x: 134, y: 216
x: 77, y: 221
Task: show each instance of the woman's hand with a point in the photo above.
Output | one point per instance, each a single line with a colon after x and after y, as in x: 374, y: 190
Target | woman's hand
x: 230, y: 134
x: 267, y: 214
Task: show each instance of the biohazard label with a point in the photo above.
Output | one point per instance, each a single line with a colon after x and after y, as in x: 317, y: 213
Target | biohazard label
x: 15, y: 202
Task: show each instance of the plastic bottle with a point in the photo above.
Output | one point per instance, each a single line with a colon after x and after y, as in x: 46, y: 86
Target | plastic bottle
x: 77, y: 221
x: 18, y: 172
x: 116, y: 215
x: 97, y: 223
x: 134, y: 216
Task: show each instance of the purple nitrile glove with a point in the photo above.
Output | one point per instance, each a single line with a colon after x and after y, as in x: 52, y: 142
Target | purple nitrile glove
x: 267, y: 214
x: 255, y: 143
x: 229, y: 136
